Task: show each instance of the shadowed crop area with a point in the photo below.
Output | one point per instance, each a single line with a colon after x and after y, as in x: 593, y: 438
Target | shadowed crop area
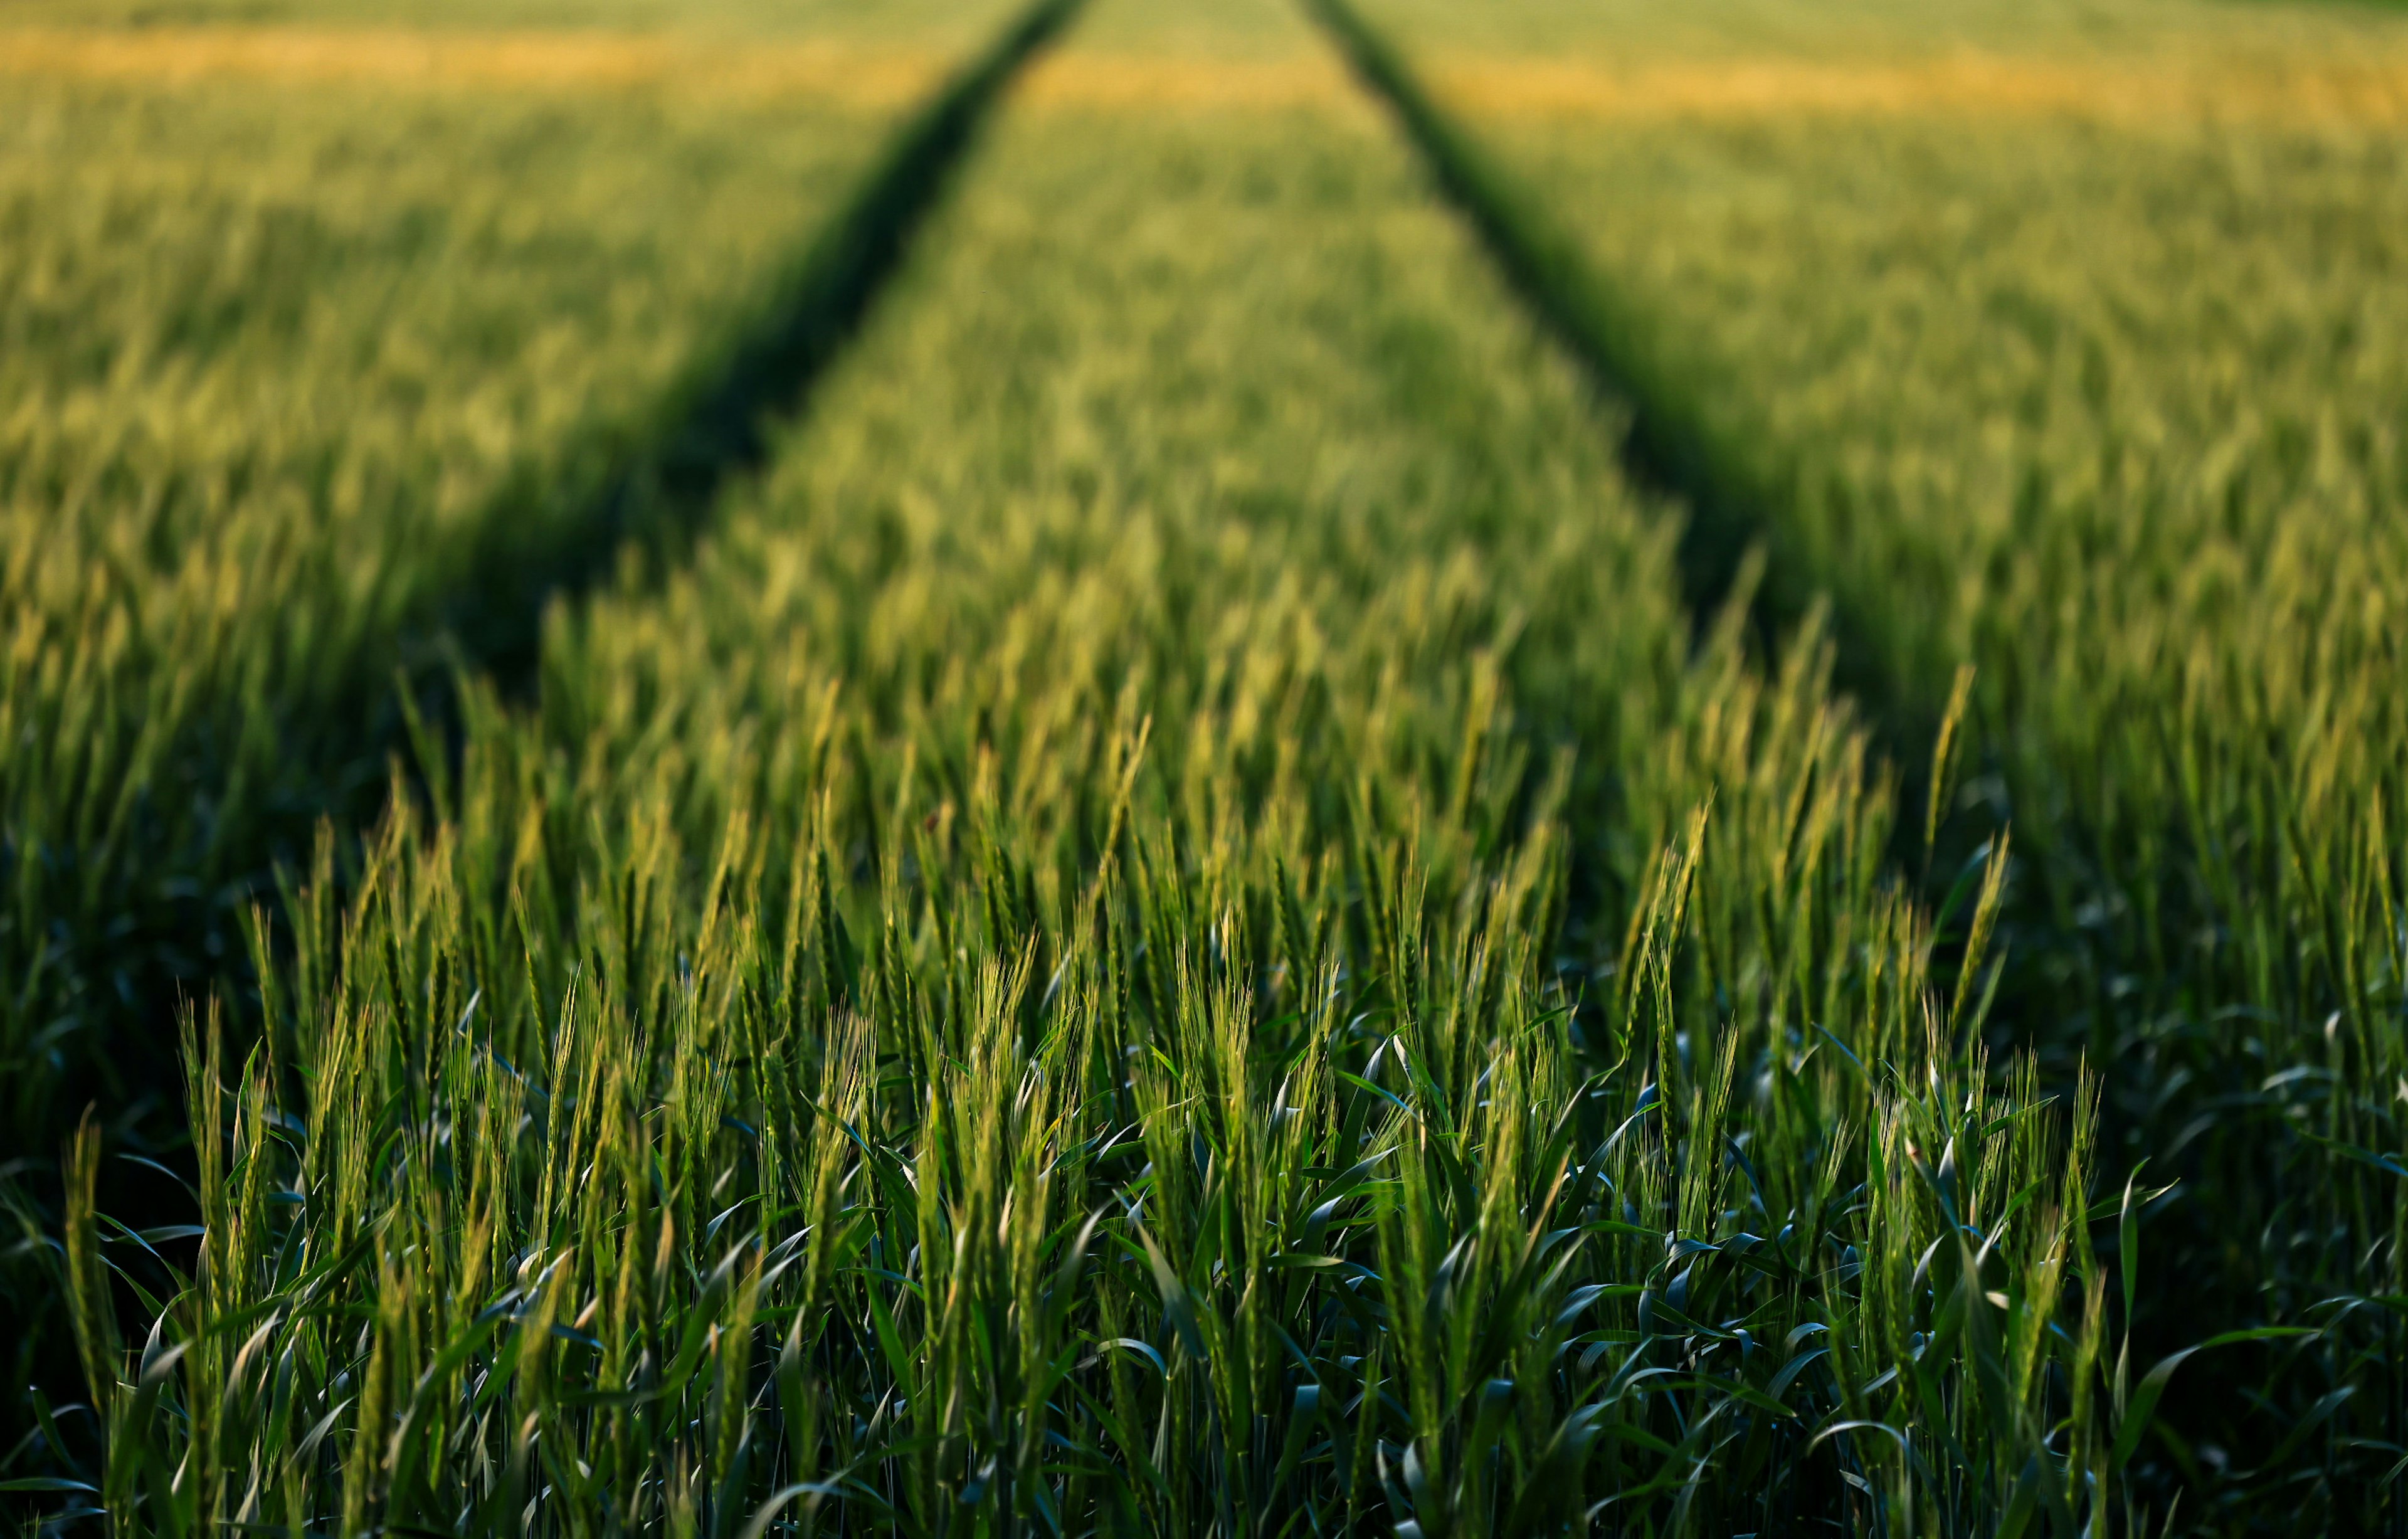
x: 1200, y: 768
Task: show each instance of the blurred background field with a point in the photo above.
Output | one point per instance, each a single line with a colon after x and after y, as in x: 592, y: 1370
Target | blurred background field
x: 946, y: 26
x: 1198, y: 899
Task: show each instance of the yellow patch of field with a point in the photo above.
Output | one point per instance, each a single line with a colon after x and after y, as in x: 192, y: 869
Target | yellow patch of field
x: 2368, y: 90
x: 2129, y: 91
x: 833, y: 69
x: 842, y: 72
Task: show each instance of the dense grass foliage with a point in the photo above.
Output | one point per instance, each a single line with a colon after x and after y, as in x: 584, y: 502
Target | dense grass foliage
x: 2113, y: 412
x: 1217, y: 897
x: 225, y: 630
x: 294, y: 380
x: 1164, y: 933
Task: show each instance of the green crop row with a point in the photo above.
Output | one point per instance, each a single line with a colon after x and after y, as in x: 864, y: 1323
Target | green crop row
x: 2110, y: 409
x: 1168, y: 932
x: 294, y: 381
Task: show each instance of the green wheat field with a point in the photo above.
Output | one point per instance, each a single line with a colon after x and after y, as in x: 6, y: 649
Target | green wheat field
x: 1059, y: 768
